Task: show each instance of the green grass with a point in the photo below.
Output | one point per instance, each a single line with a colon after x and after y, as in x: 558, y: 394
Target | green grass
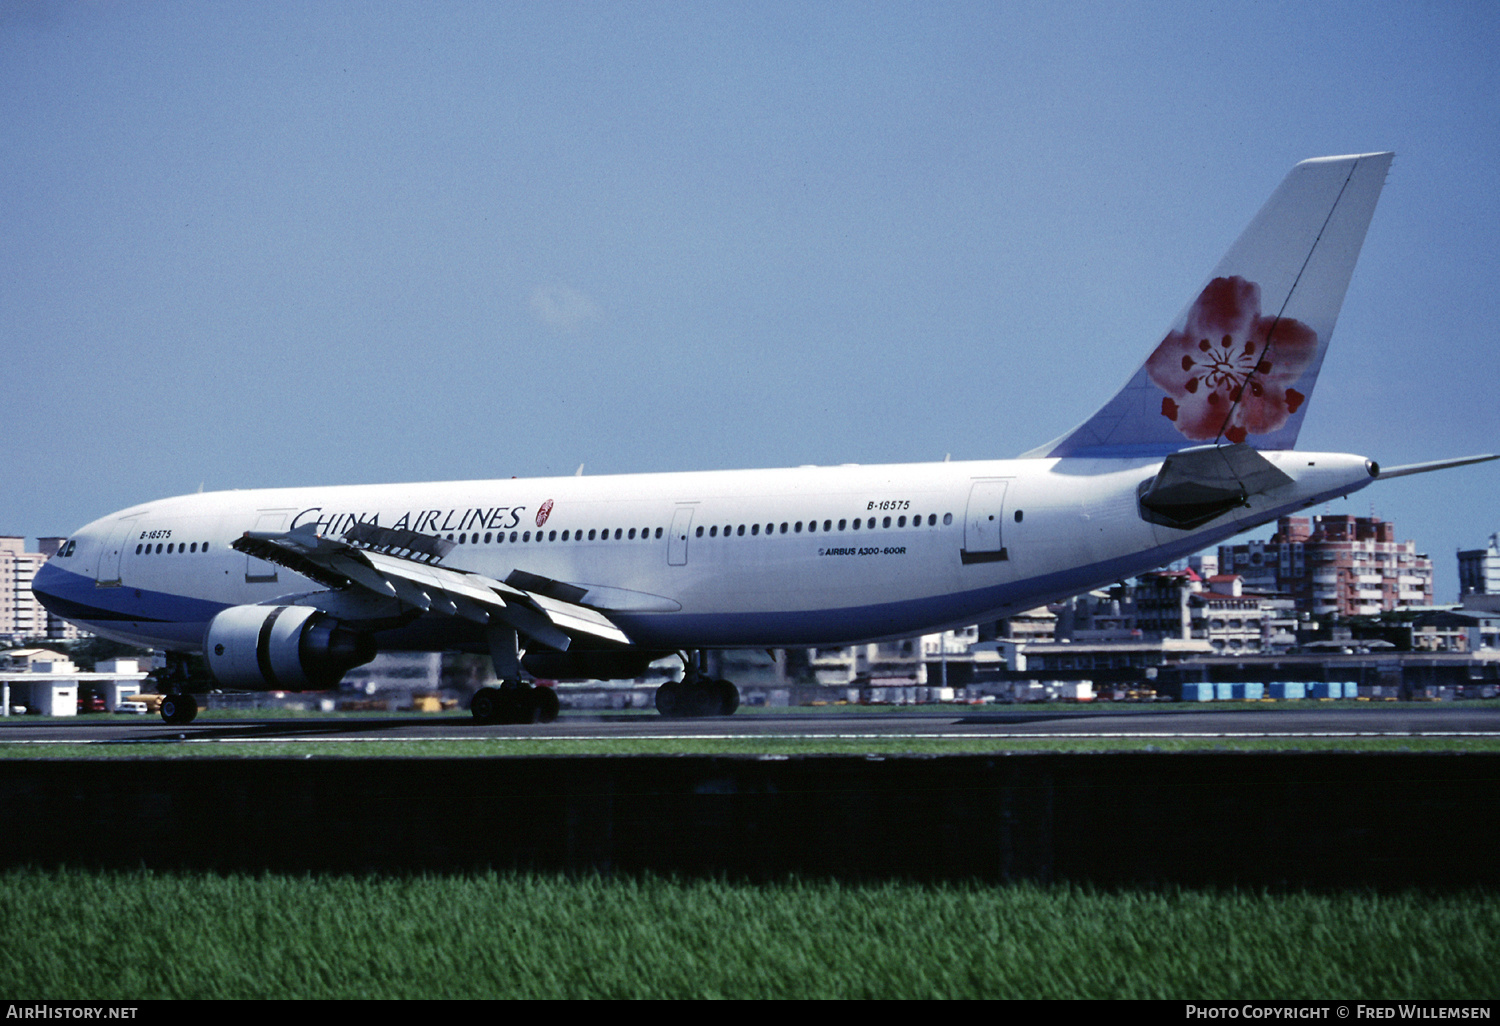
x: 72, y: 934
x: 773, y: 746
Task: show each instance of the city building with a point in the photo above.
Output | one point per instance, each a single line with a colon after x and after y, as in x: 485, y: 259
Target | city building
x: 22, y: 617
x: 1334, y: 565
x: 1479, y: 570
x: 1181, y: 606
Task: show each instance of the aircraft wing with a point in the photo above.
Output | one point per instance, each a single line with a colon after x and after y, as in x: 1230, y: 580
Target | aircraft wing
x: 406, y: 566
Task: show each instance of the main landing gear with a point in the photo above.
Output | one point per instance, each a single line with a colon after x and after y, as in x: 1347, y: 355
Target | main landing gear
x: 697, y: 694
x: 514, y: 702
x: 178, y: 707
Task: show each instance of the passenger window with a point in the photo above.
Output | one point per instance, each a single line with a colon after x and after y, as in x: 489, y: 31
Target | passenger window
x: 699, y: 533
x: 1018, y: 516
x: 740, y: 530
x: 901, y: 522
x: 886, y: 522
x: 947, y: 519
x: 631, y: 536
x: 755, y: 529
x: 857, y: 525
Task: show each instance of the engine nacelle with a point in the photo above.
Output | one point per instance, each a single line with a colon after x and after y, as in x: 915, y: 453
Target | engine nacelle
x: 296, y: 648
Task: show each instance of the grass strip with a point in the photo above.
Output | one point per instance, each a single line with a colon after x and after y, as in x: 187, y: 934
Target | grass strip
x: 764, y: 746
x: 72, y: 934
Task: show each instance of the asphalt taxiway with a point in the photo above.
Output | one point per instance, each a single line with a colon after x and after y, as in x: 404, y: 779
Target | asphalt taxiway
x: 1309, y: 720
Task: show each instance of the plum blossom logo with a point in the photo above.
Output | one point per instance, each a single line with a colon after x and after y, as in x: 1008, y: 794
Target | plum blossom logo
x: 543, y: 513
x: 1224, y: 372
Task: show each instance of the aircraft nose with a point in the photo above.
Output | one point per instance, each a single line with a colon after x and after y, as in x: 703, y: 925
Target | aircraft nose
x: 44, y: 585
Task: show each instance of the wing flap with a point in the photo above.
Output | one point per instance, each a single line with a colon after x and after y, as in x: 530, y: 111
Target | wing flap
x: 405, y: 566
x: 578, y: 619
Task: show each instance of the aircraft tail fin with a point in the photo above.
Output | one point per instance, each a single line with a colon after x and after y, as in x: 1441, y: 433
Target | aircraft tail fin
x: 1239, y: 363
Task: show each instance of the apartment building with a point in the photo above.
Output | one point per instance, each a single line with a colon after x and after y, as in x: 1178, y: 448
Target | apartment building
x: 1479, y: 570
x: 1344, y: 565
x: 22, y: 617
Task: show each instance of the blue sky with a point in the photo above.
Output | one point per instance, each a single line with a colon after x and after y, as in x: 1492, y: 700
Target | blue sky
x: 253, y: 244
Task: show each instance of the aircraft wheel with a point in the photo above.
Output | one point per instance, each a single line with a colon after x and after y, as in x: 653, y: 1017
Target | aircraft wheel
x: 486, y: 705
x: 546, y: 704
x: 179, y: 709
x: 669, y: 698
x: 521, y: 705
x: 729, y: 697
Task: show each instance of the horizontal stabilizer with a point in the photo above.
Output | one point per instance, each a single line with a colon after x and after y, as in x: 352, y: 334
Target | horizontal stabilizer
x: 1423, y: 468
x: 1196, y: 485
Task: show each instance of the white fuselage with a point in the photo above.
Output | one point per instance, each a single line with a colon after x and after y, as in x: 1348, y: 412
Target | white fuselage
x: 761, y: 558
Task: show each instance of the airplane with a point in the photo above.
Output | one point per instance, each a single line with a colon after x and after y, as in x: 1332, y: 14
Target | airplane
x: 597, y: 577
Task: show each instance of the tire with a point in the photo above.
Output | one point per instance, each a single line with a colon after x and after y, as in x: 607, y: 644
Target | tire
x: 729, y: 697
x: 178, y: 710
x: 669, y: 699
x: 547, y: 706
x: 486, y: 705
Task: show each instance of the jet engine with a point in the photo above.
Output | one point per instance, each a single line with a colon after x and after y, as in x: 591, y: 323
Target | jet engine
x: 296, y: 648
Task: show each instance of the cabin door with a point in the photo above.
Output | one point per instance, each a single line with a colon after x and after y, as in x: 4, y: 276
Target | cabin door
x: 107, y: 574
x: 677, y: 544
x: 982, y: 538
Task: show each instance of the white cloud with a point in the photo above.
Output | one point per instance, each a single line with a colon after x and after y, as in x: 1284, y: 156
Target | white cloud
x: 562, y: 310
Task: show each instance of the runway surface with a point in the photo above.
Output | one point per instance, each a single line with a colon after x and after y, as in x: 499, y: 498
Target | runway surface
x: 1303, y: 720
